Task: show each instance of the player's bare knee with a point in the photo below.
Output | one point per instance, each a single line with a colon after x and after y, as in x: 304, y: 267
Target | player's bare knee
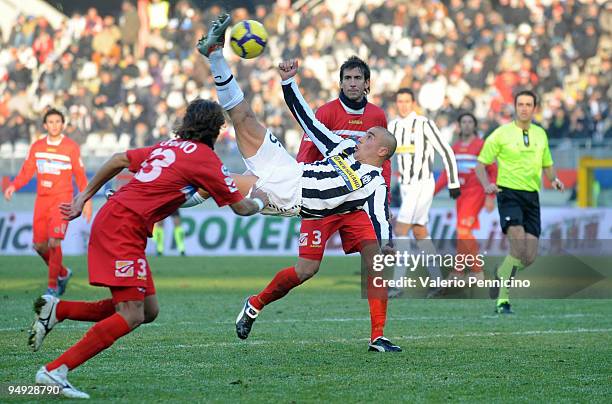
x: 133, y: 312
x: 306, y: 269
x: 151, y: 314
x: 41, y: 248
x: 420, y: 232
x: 55, y: 242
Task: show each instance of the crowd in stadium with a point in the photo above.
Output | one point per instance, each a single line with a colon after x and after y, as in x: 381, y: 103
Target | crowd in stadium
x: 123, y: 89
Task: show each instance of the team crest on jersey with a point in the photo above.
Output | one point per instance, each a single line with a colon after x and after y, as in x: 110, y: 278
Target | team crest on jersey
x: 366, y: 179
x: 124, y: 269
x: 303, y: 239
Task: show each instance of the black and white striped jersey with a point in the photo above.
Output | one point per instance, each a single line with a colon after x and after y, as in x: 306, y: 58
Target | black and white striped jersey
x: 417, y: 138
x: 338, y: 183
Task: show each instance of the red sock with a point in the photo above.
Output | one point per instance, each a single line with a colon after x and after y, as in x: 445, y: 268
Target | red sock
x: 63, y: 272
x: 99, y: 337
x: 55, y: 265
x: 84, y: 311
x: 468, y: 245
x: 377, y: 300
x: 283, y: 282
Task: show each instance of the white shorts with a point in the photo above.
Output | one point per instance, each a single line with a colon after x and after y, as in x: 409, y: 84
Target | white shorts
x: 280, y: 176
x: 416, y: 201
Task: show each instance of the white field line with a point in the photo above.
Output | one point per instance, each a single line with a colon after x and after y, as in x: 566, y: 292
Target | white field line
x: 399, y: 338
x: 338, y: 319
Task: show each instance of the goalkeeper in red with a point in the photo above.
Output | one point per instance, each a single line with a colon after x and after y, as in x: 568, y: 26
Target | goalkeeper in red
x: 473, y: 197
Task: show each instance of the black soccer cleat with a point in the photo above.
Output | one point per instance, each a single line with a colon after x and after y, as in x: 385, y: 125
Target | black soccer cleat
x: 245, y: 319
x: 382, y: 344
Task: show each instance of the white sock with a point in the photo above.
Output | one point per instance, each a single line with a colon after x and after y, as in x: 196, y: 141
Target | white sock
x: 427, y: 246
x: 228, y: 90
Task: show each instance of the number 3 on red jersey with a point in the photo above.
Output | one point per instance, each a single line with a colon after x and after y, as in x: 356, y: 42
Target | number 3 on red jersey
x: 152, y: 167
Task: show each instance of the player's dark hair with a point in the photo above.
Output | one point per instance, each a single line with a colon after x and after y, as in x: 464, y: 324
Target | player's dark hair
x: 53, y: 111
x: 526, y: 92
x: 461, y: 115
x: 352, y: 63
x: 405, y: 90
x: 202, y: 122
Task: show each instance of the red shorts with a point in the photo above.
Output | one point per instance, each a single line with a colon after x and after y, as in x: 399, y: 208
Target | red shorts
x: 48, y: 222
x: 469, y: 205
x: 355, y: 230
x: 116, y: 254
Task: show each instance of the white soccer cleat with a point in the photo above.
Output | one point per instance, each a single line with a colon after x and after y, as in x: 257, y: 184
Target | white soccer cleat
x: 59, y: 377
x: 45, y: 319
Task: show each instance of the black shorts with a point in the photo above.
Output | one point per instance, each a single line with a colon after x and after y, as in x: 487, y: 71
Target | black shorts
x: 519, y: 208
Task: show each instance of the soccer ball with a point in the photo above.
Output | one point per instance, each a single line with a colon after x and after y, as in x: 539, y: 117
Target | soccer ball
x: 248, y: 39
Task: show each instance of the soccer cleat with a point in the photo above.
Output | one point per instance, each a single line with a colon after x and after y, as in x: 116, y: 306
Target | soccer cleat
x: 215, y: 38
x: 503, y: 307
x: 245, y: 319
x: 63, y: 282
x: 44, y: 307
x: 382, y: 344
x: 59, y: 377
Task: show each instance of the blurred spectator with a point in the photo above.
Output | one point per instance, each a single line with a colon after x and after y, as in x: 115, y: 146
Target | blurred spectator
x: 129, y: 24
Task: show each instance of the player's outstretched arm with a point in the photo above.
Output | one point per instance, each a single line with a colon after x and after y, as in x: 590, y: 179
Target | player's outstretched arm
x: 325, y: 140
x: 110, y: 169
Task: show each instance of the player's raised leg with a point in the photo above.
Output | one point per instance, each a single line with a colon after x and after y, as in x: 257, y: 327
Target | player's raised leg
x: 285, y: 280
x: 250, y: 134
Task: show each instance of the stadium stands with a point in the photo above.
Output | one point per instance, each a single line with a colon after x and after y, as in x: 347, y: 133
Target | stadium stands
x: 122, y: 89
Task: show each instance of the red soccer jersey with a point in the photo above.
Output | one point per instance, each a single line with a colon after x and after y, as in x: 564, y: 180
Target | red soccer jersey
x: 54, y: 165
x: 169, y: 173
x: 345, y: 122
x: 467, y: 155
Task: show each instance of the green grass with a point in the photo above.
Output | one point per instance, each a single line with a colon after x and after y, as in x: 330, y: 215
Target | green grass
x: 311, y: 346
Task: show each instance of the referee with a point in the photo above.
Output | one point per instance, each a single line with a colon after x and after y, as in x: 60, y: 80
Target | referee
x: 521, y: 150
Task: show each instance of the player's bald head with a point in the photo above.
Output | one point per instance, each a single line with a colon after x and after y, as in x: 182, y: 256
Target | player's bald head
x: 386, y: 140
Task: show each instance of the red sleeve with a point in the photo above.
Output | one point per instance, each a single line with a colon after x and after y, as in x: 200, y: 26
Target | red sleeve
x: 137, y: 156
x: 386, y: 169
x: 78, y: 169
x: 27, y: 170
x: 441, y: 182
x: 215, y: 178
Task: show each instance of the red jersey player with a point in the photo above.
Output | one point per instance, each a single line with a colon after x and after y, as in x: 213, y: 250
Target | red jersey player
x: 473, y: 197
x: 166, y: 175
x: 54, y: 159
x: 350, y: 115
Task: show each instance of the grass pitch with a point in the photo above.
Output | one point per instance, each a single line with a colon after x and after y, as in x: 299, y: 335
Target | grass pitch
x: 311, y: 346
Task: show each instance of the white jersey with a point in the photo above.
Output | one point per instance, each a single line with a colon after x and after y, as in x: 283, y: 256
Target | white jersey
x: 417, y: 138
x: 339, y: 183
